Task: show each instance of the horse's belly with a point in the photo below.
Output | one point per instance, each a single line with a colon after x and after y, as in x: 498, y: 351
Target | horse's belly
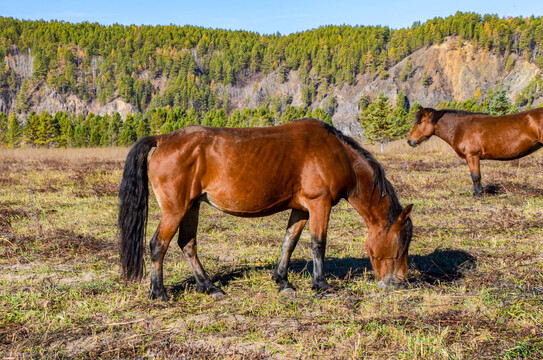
x: 511, y: 153
x: 248, y: 206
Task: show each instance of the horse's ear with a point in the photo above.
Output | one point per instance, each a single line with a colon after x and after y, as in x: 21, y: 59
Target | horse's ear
x: 404, y: 215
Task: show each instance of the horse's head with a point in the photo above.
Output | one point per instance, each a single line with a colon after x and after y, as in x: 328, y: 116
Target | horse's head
x: 425, y: 122
x: 389, y: 257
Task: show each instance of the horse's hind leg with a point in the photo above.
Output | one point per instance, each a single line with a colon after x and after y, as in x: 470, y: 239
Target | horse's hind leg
x: 159, y: 245
x: 473, y: 163
x: 296, y: 223
x: 187, y: 243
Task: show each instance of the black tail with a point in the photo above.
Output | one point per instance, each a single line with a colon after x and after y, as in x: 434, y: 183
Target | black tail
x: 133, y: 205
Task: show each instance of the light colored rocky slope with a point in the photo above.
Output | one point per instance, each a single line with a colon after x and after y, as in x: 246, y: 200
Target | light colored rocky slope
x: 456, y: 68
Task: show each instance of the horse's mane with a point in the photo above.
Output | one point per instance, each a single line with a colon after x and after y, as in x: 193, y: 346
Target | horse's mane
x: 438, y: 114
x: 379, y: 179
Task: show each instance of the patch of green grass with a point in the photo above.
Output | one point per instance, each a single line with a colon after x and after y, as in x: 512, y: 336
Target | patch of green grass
x: 476, y: 271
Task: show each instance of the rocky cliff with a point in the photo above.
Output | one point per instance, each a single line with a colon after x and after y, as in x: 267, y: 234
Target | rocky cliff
x: 456, y: 68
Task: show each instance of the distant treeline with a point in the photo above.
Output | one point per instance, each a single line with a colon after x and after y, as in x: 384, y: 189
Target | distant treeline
x: 102, y: 62
x: 381, y: 120
x: 69, y: 130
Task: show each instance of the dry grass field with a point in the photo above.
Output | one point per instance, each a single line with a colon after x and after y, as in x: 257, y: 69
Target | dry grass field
x: 476, y: 270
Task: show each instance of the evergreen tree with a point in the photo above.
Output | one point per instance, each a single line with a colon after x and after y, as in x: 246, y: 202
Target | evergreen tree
x: 3, y: 127
x: 510, y: 63
x: 364, y: 102
x: 40, y: 64
x: 30, y: 131
x: 66, y: 129
x: 331, y: 105
x: 13, y: 136
x: 402, y: 102
x: 499, y: 103
x: 235, y: 119
x: 103, y: 126
x: 95, y: 134
x: 81, y: 133
x: 381, y: 123
x: 141, y: 129
x: 21, y: 101
x: 412, y: 111
x: 114, y: 129
x: 47, y: 131
x: 426, y: 80
x: 127, y: 135
x: 407, y: 69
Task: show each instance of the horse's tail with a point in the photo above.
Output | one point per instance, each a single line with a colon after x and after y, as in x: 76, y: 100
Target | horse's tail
x: 133, y: 207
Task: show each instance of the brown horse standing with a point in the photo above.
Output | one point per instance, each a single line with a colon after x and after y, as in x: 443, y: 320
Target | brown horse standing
x: 306, y: 166
x: 481, y: 136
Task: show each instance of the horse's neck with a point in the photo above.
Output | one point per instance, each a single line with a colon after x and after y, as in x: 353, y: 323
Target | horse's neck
x: 366, y: 202
x: 368, y: 205
x: 445, y: 127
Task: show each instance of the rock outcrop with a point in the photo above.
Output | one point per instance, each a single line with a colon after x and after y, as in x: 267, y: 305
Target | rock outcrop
x: 456, y: 69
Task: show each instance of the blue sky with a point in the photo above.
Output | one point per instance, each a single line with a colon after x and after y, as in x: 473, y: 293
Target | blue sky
x: 260, y: 16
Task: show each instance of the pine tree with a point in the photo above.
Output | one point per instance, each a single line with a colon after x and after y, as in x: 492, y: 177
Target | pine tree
x: 141, y: 129
x: 3, y: 127
x: 499, y: 103
x: 21, y: 101
x: 13, y: 136
x: 103, y: 125
x: 402, y: 102
x: 381, y: 123
x: 66, y: 129
x: 510, y: 63
x: 331, y: 105
x: 127, y: 136
x: 40, y: 64
x: 30, y: 131
x: 81, y: 132
x: 407, y: 69
x: 114, y: 129
x: 47, y: 131
x: 426, y: 80
x: 364, y: 102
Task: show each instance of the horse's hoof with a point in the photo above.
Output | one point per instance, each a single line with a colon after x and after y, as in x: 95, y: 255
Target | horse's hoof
x: 159, y: 295
x: 330, y: 292
x: 287, y: 291
x: 321, y: 287
x: 217, y: 294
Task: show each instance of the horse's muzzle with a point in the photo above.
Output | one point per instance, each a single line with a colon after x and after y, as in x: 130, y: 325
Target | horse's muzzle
x: 412, y: 142
x: 392, y: 284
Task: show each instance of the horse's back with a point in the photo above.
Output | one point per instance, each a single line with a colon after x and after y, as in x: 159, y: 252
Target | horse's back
x: 253, y: 171
x: 502, y: 137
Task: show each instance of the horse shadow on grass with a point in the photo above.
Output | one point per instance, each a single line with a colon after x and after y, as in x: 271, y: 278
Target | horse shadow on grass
x: 441, y: 266
x: 505, y: 188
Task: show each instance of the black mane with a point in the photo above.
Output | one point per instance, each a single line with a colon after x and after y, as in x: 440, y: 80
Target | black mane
x: 379, y: 179
x: 438, y: 114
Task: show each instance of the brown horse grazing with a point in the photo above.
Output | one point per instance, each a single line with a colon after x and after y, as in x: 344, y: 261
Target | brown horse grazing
x: 306, y: 166
x: 481, y: 136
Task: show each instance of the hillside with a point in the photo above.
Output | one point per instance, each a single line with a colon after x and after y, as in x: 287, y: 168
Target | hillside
x: 88, y: 68
x: 457, y: 71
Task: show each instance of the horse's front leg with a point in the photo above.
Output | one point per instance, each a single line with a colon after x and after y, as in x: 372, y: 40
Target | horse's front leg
x: 473, y: 163
x: 296, y: 224
x: 319, y: 215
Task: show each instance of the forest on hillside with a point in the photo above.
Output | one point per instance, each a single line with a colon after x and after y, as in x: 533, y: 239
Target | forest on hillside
x: 382, y: 121
x: 101, y: 63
